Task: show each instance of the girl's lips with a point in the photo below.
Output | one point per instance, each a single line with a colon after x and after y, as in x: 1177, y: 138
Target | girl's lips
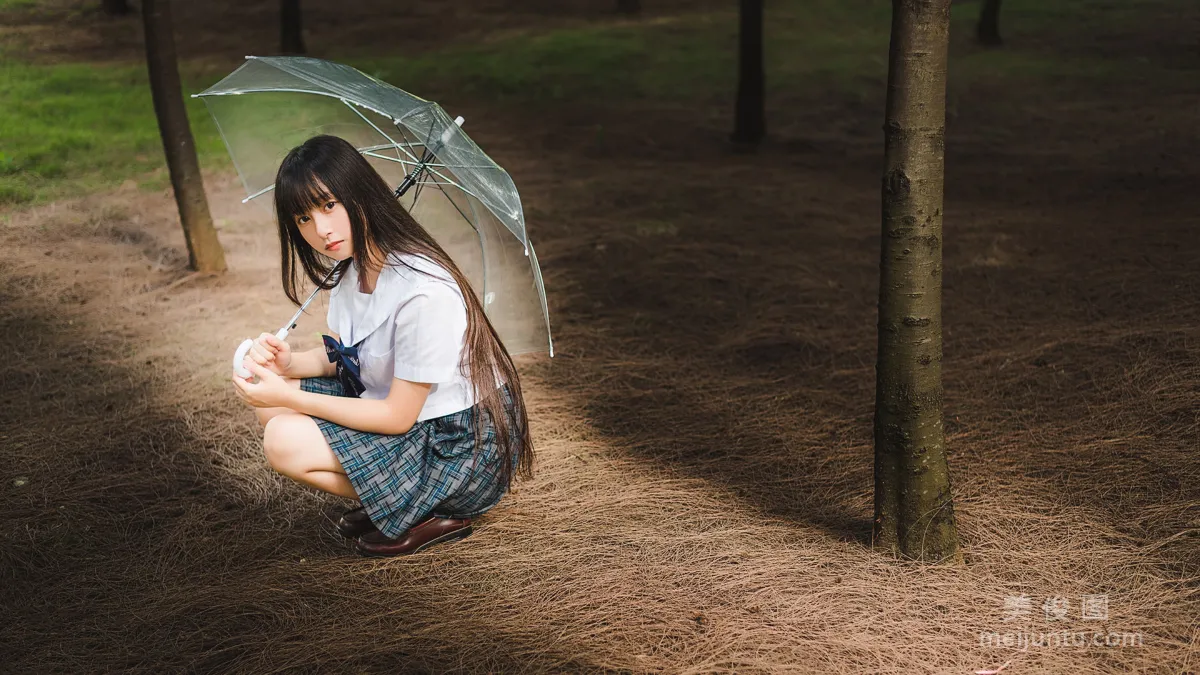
x: 333, y: 246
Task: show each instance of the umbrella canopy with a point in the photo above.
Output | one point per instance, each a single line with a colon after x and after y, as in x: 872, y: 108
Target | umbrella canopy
x: 462, y: 198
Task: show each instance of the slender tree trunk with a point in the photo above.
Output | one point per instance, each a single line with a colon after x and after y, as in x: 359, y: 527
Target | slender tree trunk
x: 750, y: 118
x: 291, y: 39
x: 914, y: 512
x: 988, y: 30
x: 115, y: 7
x: 204, y: 251
x: 629, y: 6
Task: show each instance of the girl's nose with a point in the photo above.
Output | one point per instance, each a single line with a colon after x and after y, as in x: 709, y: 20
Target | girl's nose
x: 324, y: 225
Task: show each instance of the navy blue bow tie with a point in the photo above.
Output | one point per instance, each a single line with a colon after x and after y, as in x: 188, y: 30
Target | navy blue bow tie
x: 346, y: 359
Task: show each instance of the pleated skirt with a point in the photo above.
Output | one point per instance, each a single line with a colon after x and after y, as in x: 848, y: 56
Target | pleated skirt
x: 439, y: 467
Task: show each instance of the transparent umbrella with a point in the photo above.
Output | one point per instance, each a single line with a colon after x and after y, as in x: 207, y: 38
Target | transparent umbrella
x: 464, y: 199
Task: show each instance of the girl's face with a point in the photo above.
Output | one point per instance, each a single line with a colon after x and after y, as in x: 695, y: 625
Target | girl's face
x: 327, y: 229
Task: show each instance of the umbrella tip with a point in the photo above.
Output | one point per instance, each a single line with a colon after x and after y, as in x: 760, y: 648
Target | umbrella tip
x: 458, y: 122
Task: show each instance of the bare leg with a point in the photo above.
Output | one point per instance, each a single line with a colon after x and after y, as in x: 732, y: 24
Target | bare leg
x: 296, y: 448
x: 329, y: 481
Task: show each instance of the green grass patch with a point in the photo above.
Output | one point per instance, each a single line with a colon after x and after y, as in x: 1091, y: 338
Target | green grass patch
x: 68, y: 128
x: 827, y: 46
x: 76, y: 127
x: 1068, y: 16
x: 565, y: 65
x: 684, y: 57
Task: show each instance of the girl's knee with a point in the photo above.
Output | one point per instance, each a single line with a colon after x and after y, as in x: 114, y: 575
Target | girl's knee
x: 294, y: 445
x: 278, y: 443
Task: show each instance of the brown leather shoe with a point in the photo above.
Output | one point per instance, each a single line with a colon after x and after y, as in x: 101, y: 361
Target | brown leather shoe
x: 419, y: 537
x: 355, y: 523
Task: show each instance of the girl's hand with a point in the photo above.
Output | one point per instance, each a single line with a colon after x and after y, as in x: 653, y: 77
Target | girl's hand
x: 272, y: 353
x: 270, y: 392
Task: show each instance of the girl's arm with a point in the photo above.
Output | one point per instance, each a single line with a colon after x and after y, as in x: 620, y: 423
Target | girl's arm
x: 312, y: 363
x: 395, y: 414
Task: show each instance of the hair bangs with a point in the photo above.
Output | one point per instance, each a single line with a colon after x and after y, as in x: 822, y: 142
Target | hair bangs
x: 299, y: 192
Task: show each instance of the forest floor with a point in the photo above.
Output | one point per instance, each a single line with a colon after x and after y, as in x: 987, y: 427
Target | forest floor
x: 702, y: 493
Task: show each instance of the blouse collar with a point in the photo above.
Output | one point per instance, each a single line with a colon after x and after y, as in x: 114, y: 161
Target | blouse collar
x: 390, y: 288
x: 381, y: 302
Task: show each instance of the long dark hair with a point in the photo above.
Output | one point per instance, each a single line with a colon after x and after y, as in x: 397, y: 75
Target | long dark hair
x: 380, y: 225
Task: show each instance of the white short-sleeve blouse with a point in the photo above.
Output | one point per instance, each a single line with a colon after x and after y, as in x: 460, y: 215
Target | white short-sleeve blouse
x: 411, y: 327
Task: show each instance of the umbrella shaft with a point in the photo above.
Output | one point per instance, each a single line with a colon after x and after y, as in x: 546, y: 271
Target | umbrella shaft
x: 426, y: 157
x: 411, y: 179
x: 296, y: 317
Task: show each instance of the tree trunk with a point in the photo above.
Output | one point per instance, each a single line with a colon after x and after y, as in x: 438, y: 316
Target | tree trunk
x: 629, y: 6
x: 204, y: 251
x: 914, y: 512
x: 291, y: 39
x: 750, y: 117
x: 988, y: 31
x: 115, y: 7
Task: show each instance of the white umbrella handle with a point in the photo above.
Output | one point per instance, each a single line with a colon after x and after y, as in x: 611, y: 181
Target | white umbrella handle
x: 244, y: 348
x: 282, y: 333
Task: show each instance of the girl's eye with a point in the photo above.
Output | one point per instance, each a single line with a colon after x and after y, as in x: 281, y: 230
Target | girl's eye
x: 329, y: 205
x: 303, y: 219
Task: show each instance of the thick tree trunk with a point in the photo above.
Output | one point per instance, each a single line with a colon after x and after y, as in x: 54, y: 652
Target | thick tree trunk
x: 204, y: 251
x: 914, y: 512
x: 988, y: 30
x: 750, y: 118
x: 291, y: 39
x: 115, y: 7
x: 629, y: 6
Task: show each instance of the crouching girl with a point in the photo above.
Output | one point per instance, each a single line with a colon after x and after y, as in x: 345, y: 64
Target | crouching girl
x: 412, y: 407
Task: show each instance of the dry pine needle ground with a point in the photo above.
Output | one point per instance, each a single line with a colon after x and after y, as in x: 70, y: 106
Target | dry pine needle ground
x: 703, y: 484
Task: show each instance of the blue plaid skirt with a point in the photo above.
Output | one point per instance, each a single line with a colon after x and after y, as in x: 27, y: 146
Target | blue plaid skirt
x: 437, y: 468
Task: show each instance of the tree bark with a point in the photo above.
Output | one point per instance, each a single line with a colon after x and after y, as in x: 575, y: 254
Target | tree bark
x: 291, y: 38
x: 750, y: 116
x: 204, y: 250
x: 988, y: 31
x: 914, y: 511
x: 115, y: 7
x: 629, y: 6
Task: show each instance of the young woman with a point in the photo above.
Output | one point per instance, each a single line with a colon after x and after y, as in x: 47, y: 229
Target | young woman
x: 413, y: 406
